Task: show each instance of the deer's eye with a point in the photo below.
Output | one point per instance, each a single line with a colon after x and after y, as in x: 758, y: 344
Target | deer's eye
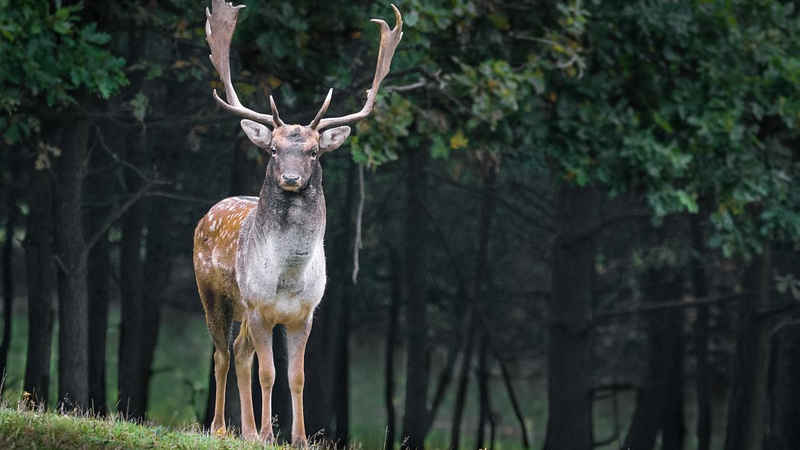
x: 314, y: 153
x: 274, y: 151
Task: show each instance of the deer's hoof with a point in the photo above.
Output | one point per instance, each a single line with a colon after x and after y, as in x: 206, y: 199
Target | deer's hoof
x: 268, y: 438
x: 300, y: 442
x: 250, y: 435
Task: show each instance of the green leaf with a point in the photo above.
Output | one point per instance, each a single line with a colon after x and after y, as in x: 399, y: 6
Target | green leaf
x: 139, y: 103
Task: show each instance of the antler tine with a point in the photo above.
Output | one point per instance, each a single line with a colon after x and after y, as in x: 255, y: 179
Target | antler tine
x: 275, y: 116
x: 322, y: 110
x: 219, y: 31
x: 390, y: 38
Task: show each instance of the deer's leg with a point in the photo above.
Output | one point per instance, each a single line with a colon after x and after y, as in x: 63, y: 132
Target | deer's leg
x: 243, y: 350
x: 296, y: 338
x: 219, y: 317
x: 261, y: 335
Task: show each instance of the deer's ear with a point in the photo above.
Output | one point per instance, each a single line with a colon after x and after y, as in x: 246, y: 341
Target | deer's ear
x: 259, y: 134
x: 333, y: 138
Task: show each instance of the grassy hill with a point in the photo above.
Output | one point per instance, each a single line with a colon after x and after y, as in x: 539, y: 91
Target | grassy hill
x: 26, y: 429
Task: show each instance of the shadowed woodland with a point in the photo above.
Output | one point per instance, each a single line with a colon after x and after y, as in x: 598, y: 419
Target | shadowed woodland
x: 566, y: 224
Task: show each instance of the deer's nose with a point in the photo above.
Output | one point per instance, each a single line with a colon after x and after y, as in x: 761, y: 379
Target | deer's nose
x: 291, y: 179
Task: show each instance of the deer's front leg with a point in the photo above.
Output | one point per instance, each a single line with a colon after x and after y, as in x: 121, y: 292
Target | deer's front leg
x: 261, y: 334
x: 296, y: 338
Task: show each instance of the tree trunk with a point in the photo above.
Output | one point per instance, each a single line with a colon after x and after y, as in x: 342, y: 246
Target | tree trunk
x: 342, y: 399
x: 319, y: 362
x: 99, y: 296
x: 514, y: 403
x: 41, y: 281
x: 348, y: 293
x: 784, y: 423
x: 482, y: 277
x: 159, y: 245
x: 569, y: 423
x: 463, y: 383
x: 391, y: 341
x: 132, y: 394
x: 484, y: 408
x: 703, y: 375
x: 12, y: 214
x: 100, y: 265
x: 281, y: 396
x: 747, y: 403
x: 233, y: 406
x: 73, y: 311
x: 416, y: 398
x: 659, y: 404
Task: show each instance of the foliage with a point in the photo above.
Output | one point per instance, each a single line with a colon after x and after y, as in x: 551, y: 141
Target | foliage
x: 687, y: 102
x: 48, y: 56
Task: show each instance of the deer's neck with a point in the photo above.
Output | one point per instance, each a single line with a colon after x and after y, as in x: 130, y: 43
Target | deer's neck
x: 293, y: 222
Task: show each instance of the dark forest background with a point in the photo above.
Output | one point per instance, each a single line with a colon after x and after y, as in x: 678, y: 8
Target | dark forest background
x: 573, y: 222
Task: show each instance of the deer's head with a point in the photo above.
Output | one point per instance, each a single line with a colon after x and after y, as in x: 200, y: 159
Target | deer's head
x: 294, y: 149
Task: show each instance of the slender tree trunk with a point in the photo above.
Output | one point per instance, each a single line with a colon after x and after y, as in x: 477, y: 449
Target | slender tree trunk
x: 463, y: 383
x: 99, y: 296
x: 783, y: 430
x: 132, y: 395
x: 483, y: 276
x: 417, y: 367
x: 747, y: 402
x: 100, y: 266
x: 319, y: 361
x: 514, y: 403
x: 73, y: 311
x: 673, y: 429
x: 391, y: 341
x: 212, y: 392
x: 12, y: 214
x: 348, y: 294
x: 233, y: 406
x: 281, y: 396
x: 159, y: 245
x: 703, y: 375
x: 342, y: 403
x: 41, y: 280
x: 784, y: 423
x: 484, y: 408
x: 569, y: 422
x: 659, y: 404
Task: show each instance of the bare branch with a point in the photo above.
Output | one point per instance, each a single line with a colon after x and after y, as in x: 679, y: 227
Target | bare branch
x: 359, y: 216
x: 114, y: 215
x: 677, y: 304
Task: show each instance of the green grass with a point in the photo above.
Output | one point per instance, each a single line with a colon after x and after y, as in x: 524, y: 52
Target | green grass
x: 31, y: 429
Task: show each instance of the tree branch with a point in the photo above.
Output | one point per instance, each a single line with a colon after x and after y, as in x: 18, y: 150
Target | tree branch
x: 677, y: 304
x: 117, y: 213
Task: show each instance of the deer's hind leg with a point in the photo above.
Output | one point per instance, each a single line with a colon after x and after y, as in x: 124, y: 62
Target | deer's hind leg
x: 219, y: 318
x: 243, y: 351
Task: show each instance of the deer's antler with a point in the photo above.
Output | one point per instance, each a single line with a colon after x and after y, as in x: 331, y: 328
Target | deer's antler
x: 219, y: 31
x: 389, y: 40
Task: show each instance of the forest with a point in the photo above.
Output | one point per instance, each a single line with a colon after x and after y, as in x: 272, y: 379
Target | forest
x: 566, y: 224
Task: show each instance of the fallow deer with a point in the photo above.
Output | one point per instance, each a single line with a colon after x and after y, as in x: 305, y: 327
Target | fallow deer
x: 260, y: 260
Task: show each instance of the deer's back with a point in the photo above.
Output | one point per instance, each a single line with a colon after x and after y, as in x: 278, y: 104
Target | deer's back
x: 216, y: 240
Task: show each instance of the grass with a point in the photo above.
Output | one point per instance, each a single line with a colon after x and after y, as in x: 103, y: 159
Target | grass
x: 34, y: 429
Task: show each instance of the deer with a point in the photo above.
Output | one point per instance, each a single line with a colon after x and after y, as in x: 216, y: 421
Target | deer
x: 260, y: 260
